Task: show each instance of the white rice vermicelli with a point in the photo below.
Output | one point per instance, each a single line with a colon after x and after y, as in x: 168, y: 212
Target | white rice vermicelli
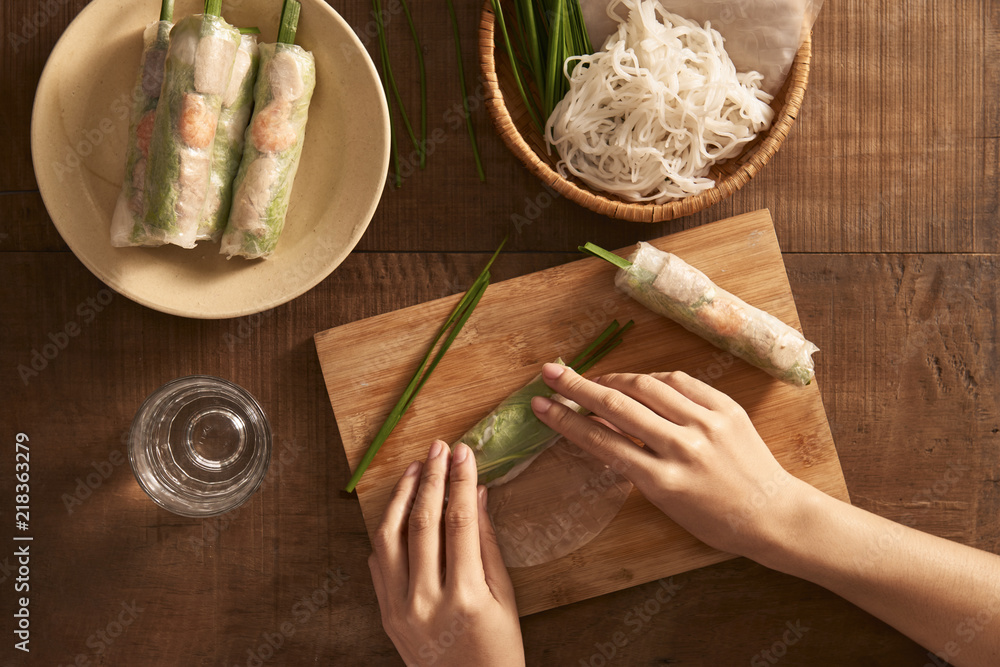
x: 646, y: 117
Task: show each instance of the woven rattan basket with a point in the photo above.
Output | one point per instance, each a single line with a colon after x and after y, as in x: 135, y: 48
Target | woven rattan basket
x: 506, y: 108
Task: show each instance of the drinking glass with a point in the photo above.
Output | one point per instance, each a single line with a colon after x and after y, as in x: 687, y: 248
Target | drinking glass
x: 200, y: 446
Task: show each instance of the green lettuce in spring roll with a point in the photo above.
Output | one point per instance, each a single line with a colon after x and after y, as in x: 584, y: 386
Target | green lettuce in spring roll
x: 510, y: 437
x: 145, y: 94
x: 263, y: 186
x: 199, y: 63
x: 237, y: 103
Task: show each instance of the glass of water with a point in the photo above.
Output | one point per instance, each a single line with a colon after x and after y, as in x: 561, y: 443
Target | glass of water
x: 200, y: 446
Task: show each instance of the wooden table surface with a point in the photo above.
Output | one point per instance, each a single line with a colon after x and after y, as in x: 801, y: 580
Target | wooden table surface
x: 885, y: 202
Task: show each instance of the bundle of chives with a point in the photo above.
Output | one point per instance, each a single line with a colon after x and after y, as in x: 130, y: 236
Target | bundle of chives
x: 449, y: 330
x: 547, y: 33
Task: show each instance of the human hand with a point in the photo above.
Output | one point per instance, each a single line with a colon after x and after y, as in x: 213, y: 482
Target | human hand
x: 703, y: 462
x: 442, y: 587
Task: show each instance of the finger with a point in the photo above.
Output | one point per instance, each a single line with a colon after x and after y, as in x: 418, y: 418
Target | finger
x: 424, y: 526
x: 497, y: 577
x: 655, y: 394
x: 389, y: 539
x: 627, y: 414
x: 464, y: 567
x: 695, y: 390
x: 611, y: 447
x: 379, y: 583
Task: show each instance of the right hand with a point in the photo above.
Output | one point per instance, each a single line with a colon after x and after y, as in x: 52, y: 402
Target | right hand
x: 703, y: 462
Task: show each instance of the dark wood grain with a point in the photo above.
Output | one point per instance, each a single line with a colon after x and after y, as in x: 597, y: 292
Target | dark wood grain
x: 884, y: 199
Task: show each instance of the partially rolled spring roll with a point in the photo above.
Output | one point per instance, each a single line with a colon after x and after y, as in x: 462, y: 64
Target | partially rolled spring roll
x: 199, y: 63
x: 668, y: 285
x: 510, y: 437
x: 263, y: 187
x: 237, y: 103
x: 128, y: 213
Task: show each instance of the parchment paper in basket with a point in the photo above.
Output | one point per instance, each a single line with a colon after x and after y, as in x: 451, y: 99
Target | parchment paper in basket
x: 562, y: 501
x: 761, y: 35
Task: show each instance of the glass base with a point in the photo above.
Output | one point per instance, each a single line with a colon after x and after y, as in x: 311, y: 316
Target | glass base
x: 200, y: 446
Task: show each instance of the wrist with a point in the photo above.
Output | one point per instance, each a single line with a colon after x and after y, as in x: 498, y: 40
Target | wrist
x: 790, y: 538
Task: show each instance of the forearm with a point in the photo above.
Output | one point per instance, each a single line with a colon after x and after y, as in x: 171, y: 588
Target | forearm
x: 943, y: 595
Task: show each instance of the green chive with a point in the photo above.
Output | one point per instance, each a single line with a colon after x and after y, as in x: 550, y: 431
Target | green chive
x: 212, y: 8
x: 465, y: 95
x: 389, y: 78
x: 422, y: 147
x: 289, y: 22
x: 167, y: 10
x: 512, y: 56
x: 253, y: 30
x: 452, y: 327
x: 600, y: 252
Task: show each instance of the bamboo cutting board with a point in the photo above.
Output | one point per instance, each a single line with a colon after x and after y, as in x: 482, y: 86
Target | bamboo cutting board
x: 523, y: 322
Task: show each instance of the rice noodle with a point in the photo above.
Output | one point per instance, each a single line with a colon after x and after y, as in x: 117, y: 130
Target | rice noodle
x: 646, y: 117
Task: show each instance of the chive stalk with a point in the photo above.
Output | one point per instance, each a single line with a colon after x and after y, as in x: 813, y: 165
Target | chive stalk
x: 607, y: 256
x: 391, y: 79
x: 465, y: 94
x: 422, y: 147
x: 252, y: 30
x: 449, y: 330
x: 213, y: 7
x: 167, y: 10
x: 515, y: 69
x: 289, y: 22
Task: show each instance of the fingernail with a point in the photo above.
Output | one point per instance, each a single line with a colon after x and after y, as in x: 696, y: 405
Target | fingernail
x: 460, y: 453
x: 412, y: 469
x: 482, y: 496
x: 540, y: 404
x: 436, y: 448
x: 552, y: 371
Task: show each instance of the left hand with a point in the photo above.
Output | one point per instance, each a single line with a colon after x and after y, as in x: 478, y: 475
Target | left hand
x: 444, y: 592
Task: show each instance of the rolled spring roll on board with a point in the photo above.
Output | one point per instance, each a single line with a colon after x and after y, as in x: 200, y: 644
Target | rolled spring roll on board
x: 263, y: 187
x: 237, y: 103
x: 668, y: 285
x: 199, y: 63
x: 130, y: 206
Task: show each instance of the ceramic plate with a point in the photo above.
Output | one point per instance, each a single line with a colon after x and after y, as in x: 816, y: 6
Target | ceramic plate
x: 79, y: 129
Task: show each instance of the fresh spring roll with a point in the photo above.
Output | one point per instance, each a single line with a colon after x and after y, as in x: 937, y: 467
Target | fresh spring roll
x: 668, y: 285
x: 509, y: 438
x: 199, y: 63
x: 128, y: 213
x: 237, y: 103
x: 263, y: 187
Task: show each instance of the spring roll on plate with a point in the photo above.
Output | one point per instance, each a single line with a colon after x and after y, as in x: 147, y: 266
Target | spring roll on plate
x: 237, y: 103
x: 129, y: 209
x: 263, y: 186
x: 199, y: 63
